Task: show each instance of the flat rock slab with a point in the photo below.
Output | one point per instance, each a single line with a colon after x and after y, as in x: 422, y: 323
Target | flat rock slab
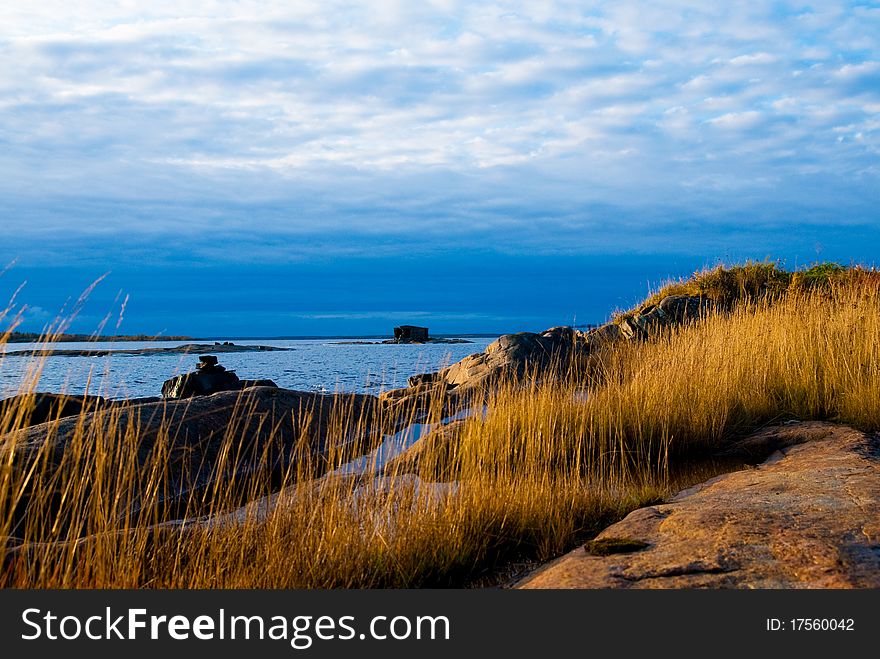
x: 807, y: 517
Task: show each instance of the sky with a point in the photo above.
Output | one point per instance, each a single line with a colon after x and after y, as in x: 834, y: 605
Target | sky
x: 260, y: 168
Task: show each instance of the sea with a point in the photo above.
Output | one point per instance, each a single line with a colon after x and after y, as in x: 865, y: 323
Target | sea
x: 319, y: 365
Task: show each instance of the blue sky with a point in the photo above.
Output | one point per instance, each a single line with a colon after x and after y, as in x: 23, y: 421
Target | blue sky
x: 271, y: 168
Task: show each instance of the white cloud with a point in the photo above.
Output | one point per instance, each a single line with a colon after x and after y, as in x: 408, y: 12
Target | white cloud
x: 737, y: 120
x: 753, y: 60
x: 279, y: 100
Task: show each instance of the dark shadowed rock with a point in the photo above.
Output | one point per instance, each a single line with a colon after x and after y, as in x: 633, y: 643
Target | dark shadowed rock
x: 208, y: 378
x: 679, y: 308
x: 606, y: 334
x: 245, y: 384
x: 808, y: 517
x: 205, y: 441
x: 39, y: 407
x: 423, y: 378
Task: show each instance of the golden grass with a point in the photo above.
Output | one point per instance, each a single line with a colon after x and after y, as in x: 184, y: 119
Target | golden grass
x: 547, y: 465
x: 755, y: 280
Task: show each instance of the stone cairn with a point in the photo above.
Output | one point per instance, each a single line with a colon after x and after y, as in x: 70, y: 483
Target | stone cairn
x: 208, y: 378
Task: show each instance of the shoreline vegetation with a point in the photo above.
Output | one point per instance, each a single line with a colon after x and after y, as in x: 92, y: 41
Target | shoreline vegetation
x: 530, y: 449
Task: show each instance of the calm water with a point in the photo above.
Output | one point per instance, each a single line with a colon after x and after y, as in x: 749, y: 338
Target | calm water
x: 312, y: 365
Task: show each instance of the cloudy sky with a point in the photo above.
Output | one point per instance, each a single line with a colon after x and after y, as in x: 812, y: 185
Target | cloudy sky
x: 266, y: 168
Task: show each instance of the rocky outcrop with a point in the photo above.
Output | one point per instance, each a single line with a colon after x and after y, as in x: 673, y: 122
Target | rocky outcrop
x: 201, y: 442
x: 511, y: 356
x: 671, y: 310
x: 38, y: 407
x: 24, y: 410
x: 516, y: 356
x: 807, y: 517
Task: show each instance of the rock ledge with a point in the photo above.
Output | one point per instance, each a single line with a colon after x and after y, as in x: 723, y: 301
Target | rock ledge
x: 807, y: 517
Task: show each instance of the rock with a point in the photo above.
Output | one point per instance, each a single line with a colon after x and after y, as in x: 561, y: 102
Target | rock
x: 247, y: 384
x: 25, y: 410
x: 671, y: 310
x: 39, y: 407
x: 608, y: 545
x: 629, y: 329
x: 410, y: 334
x: 755, y: 448
x: 433, y: 457
x: 678, y: 308
x: 605, y: 334
x: 808, y: 517
x: 422, y: 378
x: 208, y: 378
x: 516, y: 356
x: 404, y: 406
x: 268, y: 429
x: 510, y: 356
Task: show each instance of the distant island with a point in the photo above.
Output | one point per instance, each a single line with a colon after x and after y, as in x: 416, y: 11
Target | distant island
x: 35, y: 337
x: 187, y: 348
x: 396, y: 342
x: 409, y: 334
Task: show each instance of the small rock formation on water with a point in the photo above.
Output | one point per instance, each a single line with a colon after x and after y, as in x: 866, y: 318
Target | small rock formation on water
x: 410, y: 334
x: 807, y: 517
x: 208, y: 378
